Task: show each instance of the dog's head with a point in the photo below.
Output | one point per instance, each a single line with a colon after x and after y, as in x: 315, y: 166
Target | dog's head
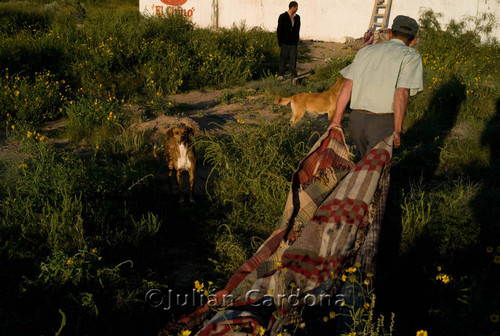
x: 181, y: 134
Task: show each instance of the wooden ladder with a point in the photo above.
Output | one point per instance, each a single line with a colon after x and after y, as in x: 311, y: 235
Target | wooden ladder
x: 381, y: 10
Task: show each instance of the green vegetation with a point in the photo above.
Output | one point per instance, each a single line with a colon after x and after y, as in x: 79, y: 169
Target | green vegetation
x: 88, y: 226
x: 117, y: 52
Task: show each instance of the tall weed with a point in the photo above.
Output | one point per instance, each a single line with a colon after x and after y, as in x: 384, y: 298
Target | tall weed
x: 254, y: 167
x: 88, y: 114
x: 441, y: 219
x: 32, y: 99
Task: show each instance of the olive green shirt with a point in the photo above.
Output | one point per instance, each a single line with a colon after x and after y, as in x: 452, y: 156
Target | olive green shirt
x: 378, y: 70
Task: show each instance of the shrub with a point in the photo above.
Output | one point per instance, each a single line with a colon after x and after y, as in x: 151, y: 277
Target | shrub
x: 33, y: 100
x: 88, y: 114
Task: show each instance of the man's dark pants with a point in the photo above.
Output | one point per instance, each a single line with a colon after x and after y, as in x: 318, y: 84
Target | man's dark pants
x: 288, y: 53
x: 367, y: 129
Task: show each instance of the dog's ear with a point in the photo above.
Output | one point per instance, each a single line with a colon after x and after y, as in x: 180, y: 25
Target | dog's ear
x: 170, y: 132
x: 190, y: 130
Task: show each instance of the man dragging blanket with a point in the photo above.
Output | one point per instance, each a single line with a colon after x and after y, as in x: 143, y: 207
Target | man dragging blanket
x: 378, y: 82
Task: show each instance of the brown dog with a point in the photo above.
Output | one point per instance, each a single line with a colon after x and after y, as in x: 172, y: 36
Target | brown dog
x: 180, y: 156
x: 323, y: 102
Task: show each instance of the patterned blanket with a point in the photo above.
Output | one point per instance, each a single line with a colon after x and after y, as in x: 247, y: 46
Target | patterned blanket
x: 331, y: 221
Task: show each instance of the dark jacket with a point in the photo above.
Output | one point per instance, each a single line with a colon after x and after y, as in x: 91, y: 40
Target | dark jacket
x: 286, y: 33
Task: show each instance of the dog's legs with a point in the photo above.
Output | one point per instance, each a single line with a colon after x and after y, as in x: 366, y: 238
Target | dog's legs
x: 170, y: 164
x: 331, y: 113
x: 297, y: 113
x: 179, y: 183
x: 191, y: 185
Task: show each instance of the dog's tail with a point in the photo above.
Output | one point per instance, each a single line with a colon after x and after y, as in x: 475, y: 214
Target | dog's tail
x: 282, y: 101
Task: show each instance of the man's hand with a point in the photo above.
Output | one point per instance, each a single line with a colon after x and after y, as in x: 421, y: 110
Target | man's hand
x: 397, y: 139
x: 400, y: 102
x: 342, y: 101
x: 334, y: 124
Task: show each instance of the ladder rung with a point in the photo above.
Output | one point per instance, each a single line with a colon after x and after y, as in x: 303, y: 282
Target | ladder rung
x: 380, y: 19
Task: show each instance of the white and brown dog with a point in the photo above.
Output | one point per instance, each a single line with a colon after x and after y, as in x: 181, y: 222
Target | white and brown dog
x: 180, y: 156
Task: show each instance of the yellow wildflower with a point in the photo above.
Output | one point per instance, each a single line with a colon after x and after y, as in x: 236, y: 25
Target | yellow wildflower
x: 496, y: 260
x: 494, y: 318
x: 23, y: 165
x: 332, y: 315
x: 29, y: 134
x: 445, y: 279
x: 366, y: 305
x: 198, y: 286
x: 69, y: 262
x: 325, y: 319
x: 185, y: 333
x: 422, y: 333
x: 344, y: 277
x: 439, y: 268
x: 261, y: 330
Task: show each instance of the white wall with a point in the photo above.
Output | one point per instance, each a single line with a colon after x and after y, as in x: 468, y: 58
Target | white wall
x: 324, y: 20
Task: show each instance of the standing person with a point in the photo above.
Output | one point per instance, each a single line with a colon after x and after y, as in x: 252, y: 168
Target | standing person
x: 288, y: 38
x: 378, y: 82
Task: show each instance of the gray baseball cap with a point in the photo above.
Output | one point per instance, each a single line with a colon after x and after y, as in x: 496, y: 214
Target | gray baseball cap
x: 405, y: 24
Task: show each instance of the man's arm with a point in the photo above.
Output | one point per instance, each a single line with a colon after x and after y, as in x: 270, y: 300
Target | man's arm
x: 279, y: 30
x: 400, y: 103
x: 342, y: 101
